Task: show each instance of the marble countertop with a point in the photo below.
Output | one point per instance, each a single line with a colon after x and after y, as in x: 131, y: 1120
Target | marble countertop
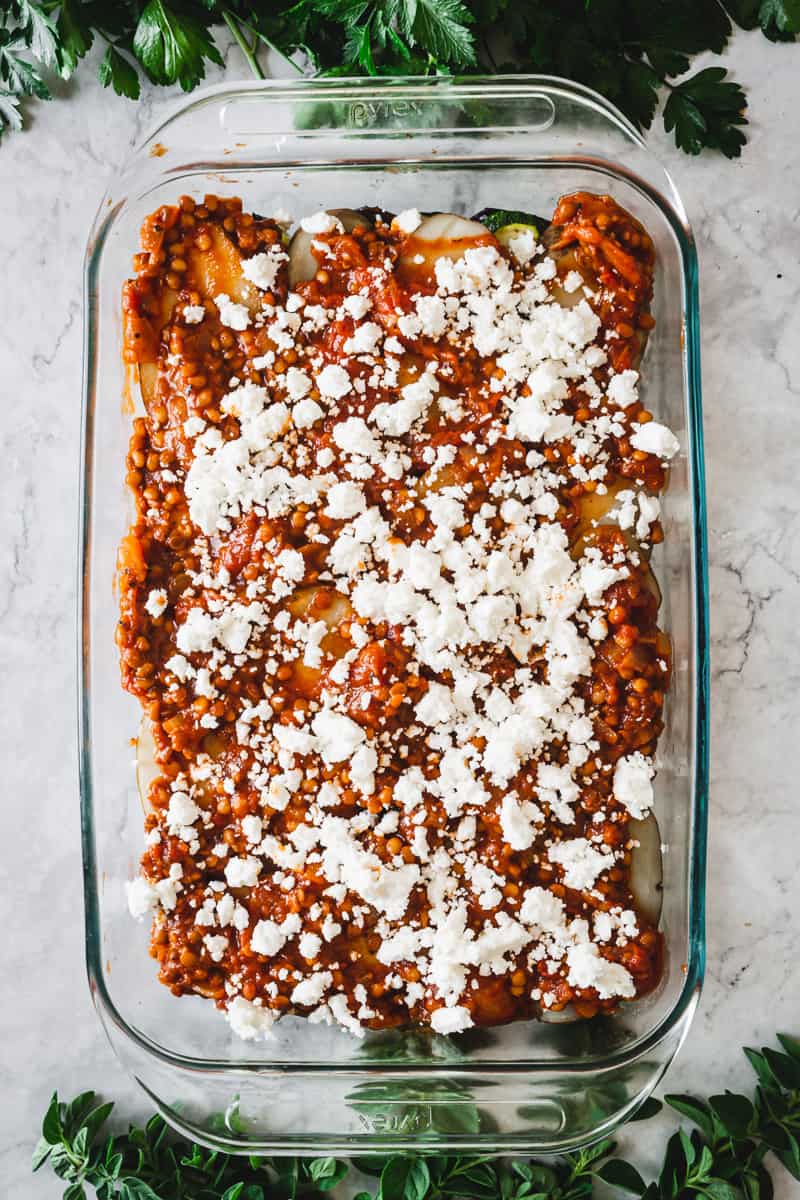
x: 745, y: 216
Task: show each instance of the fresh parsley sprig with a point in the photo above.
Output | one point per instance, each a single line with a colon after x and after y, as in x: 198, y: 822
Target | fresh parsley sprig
x: 632, y: 51
x: 725, y: 1157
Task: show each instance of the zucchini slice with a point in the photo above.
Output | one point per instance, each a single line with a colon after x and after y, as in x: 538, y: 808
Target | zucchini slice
x: 496, y: 219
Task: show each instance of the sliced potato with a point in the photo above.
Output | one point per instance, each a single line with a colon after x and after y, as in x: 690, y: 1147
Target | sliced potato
x: 302, y: 263
x: 442, y: 235
x: 307, y: 679
x: 594, y: 512
x: 647, y: 868
x: 147, y: 769
x: 338, y: 610
x: 148, y: 382
x: 646, y: 884
x: 219, y: 270
x: 566, y: 1016
x: 594, y: 508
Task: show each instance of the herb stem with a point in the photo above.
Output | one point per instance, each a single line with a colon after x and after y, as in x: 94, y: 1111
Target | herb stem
x: 262, y: 37
x: 233, y: 25
x: 488, y: 52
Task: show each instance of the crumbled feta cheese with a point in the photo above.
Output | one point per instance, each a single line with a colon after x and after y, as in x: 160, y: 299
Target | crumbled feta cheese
x: 306, y: 413
x: 653, y: 438
x: 633, y: 784
x: 235, y: 316
x: 249, y: 1021
x: 322, y: 222
x: 451, y: 1020
x: 262, y: 269
x: 156, y: 602
x: 408, y: 220
x: 334, y: 381
x: 142, y: 897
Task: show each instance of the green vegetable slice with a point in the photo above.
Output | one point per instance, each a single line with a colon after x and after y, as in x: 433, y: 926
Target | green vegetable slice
x: 496, y: 219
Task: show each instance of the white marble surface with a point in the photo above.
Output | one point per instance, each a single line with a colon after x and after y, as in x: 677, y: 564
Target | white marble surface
x: 747, y: 222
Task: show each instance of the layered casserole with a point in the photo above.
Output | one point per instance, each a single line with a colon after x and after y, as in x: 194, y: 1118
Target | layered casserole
x: 387, y: 604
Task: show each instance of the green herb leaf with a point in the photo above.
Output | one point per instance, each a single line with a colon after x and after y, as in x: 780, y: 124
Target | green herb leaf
x: 706, y: 111
x: 51, y: 1126
x: 404, y: 1178
x: 116, y: 71
x: 791, y: 1045
x: 779, y: 19
x: 172, y: 46
x: 75, y: 36
x: 720, y: 1189
x: 233, y: 1192
x: 327, y: 1172
x: 785, y: 1069
x: 621, y: 1174
x: 40, y: 1154
x: 20, y: 75
x: 638, y: 92
x: 695, y: 1110
x: 650, y: 1108
x: 40, y: 33
x: 441, y: 27
x: 735, y: 1113
x: 760, y: 1066
x: 791, y: 1159
x: 131, y: 1188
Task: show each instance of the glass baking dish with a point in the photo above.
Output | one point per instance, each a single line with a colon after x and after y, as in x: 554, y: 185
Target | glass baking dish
x: 435, y: 144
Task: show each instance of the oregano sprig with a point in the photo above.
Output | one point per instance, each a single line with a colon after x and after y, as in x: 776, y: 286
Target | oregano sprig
x: 725, y: 1156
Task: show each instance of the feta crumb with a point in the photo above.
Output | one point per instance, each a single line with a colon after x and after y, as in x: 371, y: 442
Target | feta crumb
x: 654, y: 438
x: 262, y: 269
x: 142, y: 897
x: 408, y: 220
x: 334, y: 381
x: 451, y: 1020
x: 235, y: 316
x: 357, y: 306
x: 633, y: 784
x: 306, y: 413
x: 156, y: 602
x: 322, y: 222
x: 248, y: 1020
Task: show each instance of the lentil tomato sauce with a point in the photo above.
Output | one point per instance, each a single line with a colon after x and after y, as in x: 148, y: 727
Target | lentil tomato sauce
x: 386, y: 603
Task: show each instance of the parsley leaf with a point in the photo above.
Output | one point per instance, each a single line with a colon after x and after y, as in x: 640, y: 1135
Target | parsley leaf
x: 627, y: 50
x: 779, y: 19
x: 40, y: 33
x: 116, y: 71
x: 707, y: 111
x: 10, y: 116
x: 638, y: 93
x: 17, y: 73
x: 173, y: 45
x: 441, y: 27
x: 75, y: 36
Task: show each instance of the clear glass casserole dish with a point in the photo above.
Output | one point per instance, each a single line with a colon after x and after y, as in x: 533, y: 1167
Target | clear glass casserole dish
x: 517, y: 143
